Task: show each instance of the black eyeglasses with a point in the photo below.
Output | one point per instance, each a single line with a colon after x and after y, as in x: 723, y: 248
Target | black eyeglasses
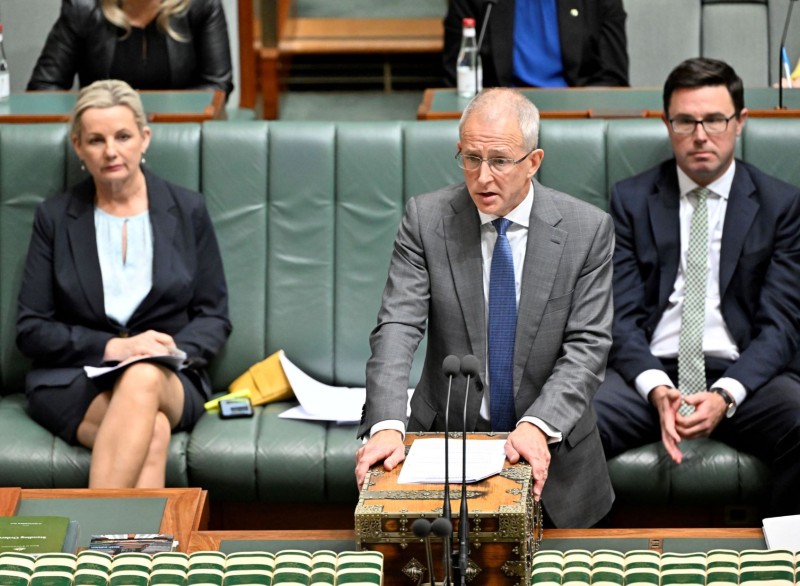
x: 498, y: 164
x: 712, y: 125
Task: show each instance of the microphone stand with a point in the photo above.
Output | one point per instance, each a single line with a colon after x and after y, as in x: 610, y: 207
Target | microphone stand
x: 451, y: 367
x: 489, y: 4
x: 780, y: 54
x: 469, y: 368
x: 422, y: 529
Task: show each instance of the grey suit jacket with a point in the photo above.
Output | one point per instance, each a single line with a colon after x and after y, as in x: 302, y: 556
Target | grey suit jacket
x: 563, y: 332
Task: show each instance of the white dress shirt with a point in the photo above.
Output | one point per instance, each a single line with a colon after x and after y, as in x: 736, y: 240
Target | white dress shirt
x: 717, y: 339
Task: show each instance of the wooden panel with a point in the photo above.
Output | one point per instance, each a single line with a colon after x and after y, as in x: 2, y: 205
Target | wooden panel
x: 361, y: 35
x: 504, y: 521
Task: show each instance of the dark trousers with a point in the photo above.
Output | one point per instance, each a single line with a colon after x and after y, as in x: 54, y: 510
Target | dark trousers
x: 766, y: 424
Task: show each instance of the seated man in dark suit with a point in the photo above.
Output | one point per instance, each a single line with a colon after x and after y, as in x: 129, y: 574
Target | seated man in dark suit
x: 543, y: 43
x: 707, y: 303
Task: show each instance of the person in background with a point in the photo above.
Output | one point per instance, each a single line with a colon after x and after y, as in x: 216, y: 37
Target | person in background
x: 706, y: 302
x: 519, y: 275
x: 543, y: 43
x: 150, y: 44
x: 122, y: 265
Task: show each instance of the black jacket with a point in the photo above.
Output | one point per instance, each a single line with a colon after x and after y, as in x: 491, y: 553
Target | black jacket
x: 82, y: 41
x: 61, y: 319
x: 592, y: 33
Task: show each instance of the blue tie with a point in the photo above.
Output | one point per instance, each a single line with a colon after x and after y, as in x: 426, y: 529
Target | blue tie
x: 502, y: 329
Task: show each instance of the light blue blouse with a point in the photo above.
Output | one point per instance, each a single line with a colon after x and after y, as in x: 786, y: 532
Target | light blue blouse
x: 126, y: 281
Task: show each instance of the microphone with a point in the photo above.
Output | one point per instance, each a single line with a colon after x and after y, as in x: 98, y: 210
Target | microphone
x: 781, y: 53
x: 469, y: 368
x: 487, y: 14
x: 422, y: 528
x: 451, y: 367
x: 443, y: 528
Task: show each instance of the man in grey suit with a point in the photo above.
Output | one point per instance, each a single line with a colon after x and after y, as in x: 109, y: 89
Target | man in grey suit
x: 442, y: 278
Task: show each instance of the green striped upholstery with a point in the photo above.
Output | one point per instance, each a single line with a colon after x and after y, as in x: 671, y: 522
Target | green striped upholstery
x: 608, y: 568
x: 53, y: 569
x: 130, y: 569
x: 767, y: 568
x: 797, y: 567
x: 16, y: 569
x: 292, y: 568
x: 577, y: 568
x: 358, y: 568
x: 547, y: 568
x: 93, y: 568
x: 169, y: 567
x: 323, y: 568
x: 249, y: 567
x: 642, y: 568
x: 718, y: 567
x: 206, y: 568
x: 722, y: 567
x: 683, y: 568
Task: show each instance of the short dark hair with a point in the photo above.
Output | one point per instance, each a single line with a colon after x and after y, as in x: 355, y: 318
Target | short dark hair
x: 701, y: 72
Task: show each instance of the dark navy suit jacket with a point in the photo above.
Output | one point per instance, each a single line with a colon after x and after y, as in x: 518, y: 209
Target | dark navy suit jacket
x: 61, y: 319
x: 759, y: 269
x: 592, y: 34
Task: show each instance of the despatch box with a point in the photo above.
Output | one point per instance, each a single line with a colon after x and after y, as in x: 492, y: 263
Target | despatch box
x: 504, y: 521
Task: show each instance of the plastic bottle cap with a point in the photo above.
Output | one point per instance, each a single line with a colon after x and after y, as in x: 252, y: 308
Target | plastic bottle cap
x: 465, y: 22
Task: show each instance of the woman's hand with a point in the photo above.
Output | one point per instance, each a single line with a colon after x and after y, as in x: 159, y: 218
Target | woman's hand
x: 149, y: 343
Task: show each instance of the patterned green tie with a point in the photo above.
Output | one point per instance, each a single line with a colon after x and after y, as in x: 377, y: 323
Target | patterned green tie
x: 691, y: 361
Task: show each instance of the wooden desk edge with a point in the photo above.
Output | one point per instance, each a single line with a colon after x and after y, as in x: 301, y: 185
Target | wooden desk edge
x: 9, y: 501
x: 211, y: 540
x: 184, y: 513
x: 703, y: 533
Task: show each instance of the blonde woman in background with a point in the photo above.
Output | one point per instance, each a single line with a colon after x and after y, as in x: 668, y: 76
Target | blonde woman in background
x: 150, y: 44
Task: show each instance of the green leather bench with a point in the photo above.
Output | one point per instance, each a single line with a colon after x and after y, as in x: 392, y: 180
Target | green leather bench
x: 306, y: 213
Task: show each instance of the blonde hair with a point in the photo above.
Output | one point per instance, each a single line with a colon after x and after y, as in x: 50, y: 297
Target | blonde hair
x: 115, y: 14
x: 106, y: 93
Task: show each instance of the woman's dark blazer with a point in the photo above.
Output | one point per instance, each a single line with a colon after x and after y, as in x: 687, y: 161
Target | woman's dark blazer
x: 61, y: 319
x: 82, y: 41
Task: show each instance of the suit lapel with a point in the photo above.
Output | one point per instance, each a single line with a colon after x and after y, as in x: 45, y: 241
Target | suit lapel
x: 162, y: 220
x: 542, y: 257
x: 462, y: 235
x: 83, y: 246
x: 740, y: 213
x: 663, y: 209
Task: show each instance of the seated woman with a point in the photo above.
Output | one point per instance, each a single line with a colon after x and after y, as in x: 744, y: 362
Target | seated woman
x: 121, y: 265
x: 151, y: 44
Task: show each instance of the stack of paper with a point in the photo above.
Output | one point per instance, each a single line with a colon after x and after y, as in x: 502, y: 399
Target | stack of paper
x: 782, y: 532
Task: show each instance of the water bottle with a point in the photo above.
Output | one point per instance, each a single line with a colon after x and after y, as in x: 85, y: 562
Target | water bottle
x: 469, y: 62
x: 5, y: 84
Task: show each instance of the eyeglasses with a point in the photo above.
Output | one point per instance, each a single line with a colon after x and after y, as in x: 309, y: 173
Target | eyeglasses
x: 713, y: 125
x: 498, y: 164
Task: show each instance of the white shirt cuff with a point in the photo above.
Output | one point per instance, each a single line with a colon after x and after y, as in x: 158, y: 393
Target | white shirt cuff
x: 734, y: 387
x: 388, y: 424
x: 553, y: 436
x: 650, y: 379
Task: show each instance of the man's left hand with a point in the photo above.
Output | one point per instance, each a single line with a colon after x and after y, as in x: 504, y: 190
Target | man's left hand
x: 529, y: 442
x: 710, y: 409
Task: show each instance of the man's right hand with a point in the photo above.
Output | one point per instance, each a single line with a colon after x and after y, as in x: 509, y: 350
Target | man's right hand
x: 667, y: 400
x: 386, y: 445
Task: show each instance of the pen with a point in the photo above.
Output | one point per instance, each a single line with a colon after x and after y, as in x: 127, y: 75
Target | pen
x: 787, y: 70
